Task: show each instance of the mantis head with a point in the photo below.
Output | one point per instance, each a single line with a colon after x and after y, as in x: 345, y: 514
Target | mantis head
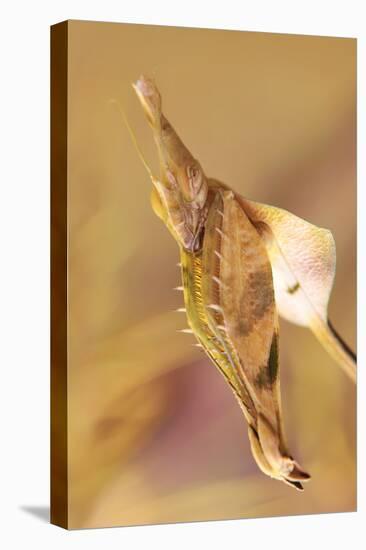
x: 179, y: 196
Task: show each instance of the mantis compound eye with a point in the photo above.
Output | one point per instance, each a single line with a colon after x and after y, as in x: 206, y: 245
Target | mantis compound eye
x: 194, y: 174
x: 197, y: 186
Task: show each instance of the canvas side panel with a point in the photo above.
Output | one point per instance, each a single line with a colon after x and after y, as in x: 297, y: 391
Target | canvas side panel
x: 59, y: 492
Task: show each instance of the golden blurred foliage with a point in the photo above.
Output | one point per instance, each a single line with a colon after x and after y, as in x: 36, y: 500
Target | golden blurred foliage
x: 154, y: 433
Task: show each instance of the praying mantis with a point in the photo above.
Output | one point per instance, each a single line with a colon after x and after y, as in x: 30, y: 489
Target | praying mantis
x: 242, y: 264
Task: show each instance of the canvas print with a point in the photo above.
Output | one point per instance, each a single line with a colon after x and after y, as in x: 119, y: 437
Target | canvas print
x: 203, y: 251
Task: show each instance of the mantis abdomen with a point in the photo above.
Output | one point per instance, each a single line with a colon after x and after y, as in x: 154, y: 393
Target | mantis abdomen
x: 229, y: 300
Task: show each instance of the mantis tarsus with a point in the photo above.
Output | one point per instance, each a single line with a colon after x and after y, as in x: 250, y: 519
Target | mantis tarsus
x: 242, y: 262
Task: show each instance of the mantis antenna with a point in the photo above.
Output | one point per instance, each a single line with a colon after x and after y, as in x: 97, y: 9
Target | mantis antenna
x: 133, y: 138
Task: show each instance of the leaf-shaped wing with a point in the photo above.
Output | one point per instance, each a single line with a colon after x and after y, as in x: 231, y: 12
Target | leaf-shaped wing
x: 303, y: 260
x: 231, y: 308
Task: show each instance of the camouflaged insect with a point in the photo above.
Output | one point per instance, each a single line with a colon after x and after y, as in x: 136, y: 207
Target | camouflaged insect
x: 241, y: 263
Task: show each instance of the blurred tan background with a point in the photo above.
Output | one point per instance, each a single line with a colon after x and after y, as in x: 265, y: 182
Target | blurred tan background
x: 155, y: 434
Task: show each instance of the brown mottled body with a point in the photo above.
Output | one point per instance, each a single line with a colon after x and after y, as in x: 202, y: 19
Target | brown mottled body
x: 227, y: 284
x: 233, y: 315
